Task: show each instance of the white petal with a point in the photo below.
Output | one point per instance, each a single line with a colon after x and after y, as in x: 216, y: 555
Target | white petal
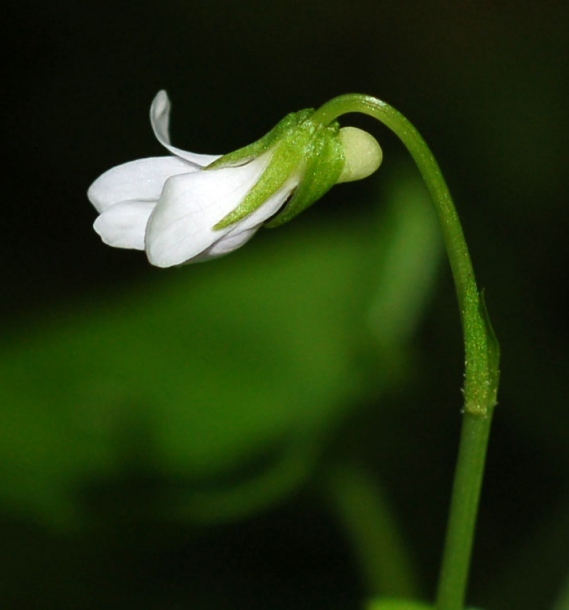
x: 181, y: 226
x: 141, y: 180
x: 123, y: 225
x: 160, y: 120
x: 228, y: 243
x: 242, y: 231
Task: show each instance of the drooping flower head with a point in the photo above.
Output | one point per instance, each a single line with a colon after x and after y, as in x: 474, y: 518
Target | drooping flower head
x: 187, y: 207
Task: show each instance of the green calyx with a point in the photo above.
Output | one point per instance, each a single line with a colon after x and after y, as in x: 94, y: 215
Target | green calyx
x: 300, y: 149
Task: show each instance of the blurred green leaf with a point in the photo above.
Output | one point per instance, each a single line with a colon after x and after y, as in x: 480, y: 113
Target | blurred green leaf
x: 213, y: 369
x: 397, y: 604
x: 410, y: 250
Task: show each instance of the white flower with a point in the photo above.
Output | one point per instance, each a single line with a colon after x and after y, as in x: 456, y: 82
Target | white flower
x: 178, y: 211
x: 169, y: 206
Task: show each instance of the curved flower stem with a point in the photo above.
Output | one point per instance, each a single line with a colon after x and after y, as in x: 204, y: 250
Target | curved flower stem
x: 481, y: 347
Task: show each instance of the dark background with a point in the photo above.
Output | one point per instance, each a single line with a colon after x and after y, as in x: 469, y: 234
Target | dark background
x: 487, y: 85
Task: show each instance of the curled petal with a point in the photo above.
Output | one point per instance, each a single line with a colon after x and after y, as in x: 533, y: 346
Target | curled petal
x: 123, y: 225
x: 160, y: 120
x: 140, y: 180
x: 180, y: 228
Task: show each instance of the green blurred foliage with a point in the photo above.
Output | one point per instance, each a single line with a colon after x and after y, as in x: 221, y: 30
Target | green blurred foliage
x: 396, y: 604
x: 225, y: 390
x: 127, y: 417
x: 199, y: 376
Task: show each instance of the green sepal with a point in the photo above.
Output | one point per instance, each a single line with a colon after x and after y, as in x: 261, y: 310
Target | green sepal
x: 301, y: 146
x: 324, y: 164
x: 245, y: 154
x: 289, y: 139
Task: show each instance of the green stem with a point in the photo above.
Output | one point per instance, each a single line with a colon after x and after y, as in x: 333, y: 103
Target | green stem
x: 373, y: 531
x: 464, y: 509
x: 481, y: 347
